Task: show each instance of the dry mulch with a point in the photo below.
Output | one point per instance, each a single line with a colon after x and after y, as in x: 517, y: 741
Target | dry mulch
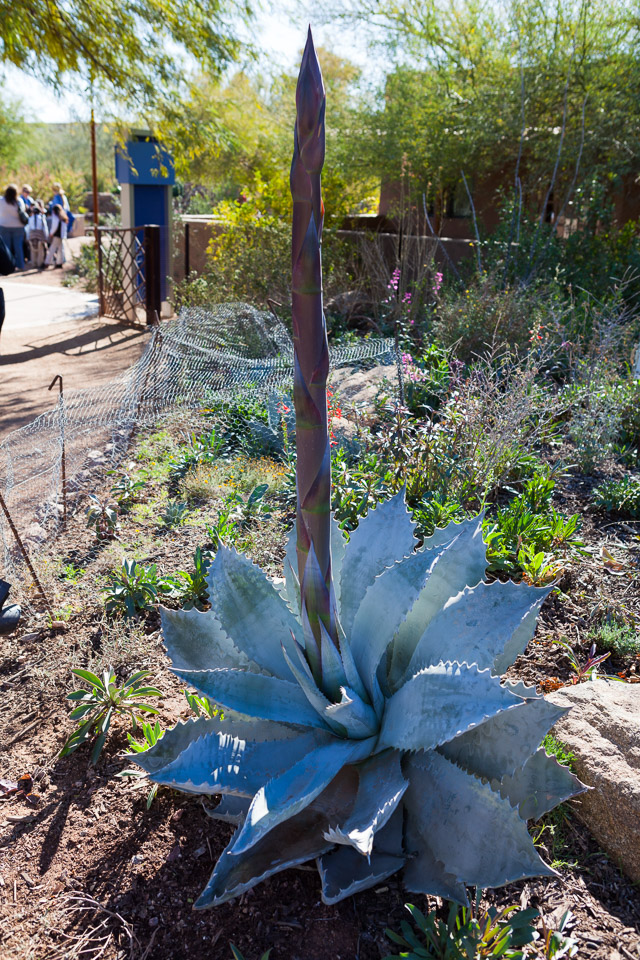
x: 90, y: 872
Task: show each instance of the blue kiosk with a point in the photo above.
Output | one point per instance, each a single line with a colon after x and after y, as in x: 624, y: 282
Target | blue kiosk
x: 146, y: 174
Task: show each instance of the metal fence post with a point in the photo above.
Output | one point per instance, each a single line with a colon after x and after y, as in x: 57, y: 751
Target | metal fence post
x: 58, y: 379
x: 152, y: 277
x: 24, y: 553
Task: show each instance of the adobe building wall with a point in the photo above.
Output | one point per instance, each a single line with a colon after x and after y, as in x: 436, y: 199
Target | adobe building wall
x: 192, y: 237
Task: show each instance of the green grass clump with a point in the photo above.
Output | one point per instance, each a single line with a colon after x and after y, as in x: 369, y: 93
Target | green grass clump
x: 559, y: 750
x: 618, y: 637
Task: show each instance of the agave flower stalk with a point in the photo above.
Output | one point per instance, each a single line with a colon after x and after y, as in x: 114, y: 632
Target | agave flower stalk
x: 367, y: 724
x: 311, y: 363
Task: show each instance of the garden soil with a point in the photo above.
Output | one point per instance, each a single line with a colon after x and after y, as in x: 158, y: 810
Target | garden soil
x: 84, y: 352
x: 88, y: 871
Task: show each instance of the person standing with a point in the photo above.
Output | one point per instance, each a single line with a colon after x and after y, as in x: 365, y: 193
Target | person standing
x: 13, y: 219
x: 58, y: 235
x: 27, y: 199
x: 7, y: 266
x: 61, y: 198
x: 38, y: 234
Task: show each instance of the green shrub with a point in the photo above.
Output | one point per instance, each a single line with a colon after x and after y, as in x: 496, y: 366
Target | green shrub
x: 484, y: 314
x: 467, y: 932
x: 619, y: 496
x: 133, y: 589
x: 84, y: 269
x: 594, y: 426
x: 249, y: 259
x: 530, y: 526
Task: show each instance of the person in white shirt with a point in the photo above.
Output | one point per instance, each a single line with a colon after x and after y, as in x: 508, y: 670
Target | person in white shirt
x: 13, y: 218
x: 38, y: 234
x: 57, y: 237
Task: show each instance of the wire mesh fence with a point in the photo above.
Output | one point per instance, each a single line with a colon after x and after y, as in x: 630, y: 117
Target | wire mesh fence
x: 202, y: 357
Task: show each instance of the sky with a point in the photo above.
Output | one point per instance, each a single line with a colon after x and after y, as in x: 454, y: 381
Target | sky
x: 281, y: 36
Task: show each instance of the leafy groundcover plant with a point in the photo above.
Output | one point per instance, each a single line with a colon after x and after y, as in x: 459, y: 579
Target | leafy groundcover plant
x: 365, y: 723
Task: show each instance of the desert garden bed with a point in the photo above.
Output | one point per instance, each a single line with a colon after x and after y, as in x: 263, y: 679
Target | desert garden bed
x: 89, y: 869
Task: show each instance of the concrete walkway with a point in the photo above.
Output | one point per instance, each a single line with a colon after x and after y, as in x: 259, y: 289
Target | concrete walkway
x: 35, y: 304
x: 51, y: 330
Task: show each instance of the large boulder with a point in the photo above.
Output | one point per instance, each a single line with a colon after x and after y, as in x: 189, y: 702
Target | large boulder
x: 359, y: 389
x: 603, y: 731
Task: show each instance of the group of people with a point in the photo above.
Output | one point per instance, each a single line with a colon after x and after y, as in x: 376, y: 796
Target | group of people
x: 32, y: 233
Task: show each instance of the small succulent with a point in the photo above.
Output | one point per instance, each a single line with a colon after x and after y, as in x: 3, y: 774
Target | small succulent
x: 102, y: 517
x: 467, y: 932
x: 619, y: 496
x: 192, y: 587
x: 126, y: 489
x: 243, y: 511
x: 174, y: 513
x: 97, y: 706
x: 132, y: 589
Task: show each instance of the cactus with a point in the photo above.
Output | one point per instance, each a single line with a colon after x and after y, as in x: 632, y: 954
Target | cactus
x: 365, y: 722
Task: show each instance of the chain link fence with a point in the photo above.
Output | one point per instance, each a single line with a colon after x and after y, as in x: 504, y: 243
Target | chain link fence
x: 202, y: 357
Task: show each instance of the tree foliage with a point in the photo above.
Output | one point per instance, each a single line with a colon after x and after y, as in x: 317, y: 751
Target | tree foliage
x: 133, y: 49
x: 12, y: 129
x: 235, y: 134
x: 471, y: 82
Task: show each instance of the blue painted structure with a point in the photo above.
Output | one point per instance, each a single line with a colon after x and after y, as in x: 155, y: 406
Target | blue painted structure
x: 146, y: 173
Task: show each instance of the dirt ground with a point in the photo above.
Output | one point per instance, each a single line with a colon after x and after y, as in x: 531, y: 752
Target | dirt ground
x: 85, y: 351
x: 90, y: 872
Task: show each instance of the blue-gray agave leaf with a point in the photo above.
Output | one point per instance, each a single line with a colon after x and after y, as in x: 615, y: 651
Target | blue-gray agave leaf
x: 539, y: 786
x: 383, y: 537
x: 472, y: 829
x: 381, y: 787
x: 254, y: 695
x: 441, y: 702
x: 460, y: 563
x: 396, y: 748
x: 481, y: 618
x: 251, y: 610
x: 345, y: 871
x: 505, y: 741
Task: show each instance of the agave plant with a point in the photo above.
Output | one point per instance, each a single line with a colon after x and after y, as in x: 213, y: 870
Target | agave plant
x: 365, y: 721
x: 409, y: 753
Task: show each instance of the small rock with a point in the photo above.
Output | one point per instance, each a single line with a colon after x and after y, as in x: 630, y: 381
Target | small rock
x: 137, y: 858
x: 200, y: 852
x: 153, y: 921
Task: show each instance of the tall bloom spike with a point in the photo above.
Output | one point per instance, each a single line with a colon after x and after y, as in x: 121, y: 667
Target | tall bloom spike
x: 311, y: 365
